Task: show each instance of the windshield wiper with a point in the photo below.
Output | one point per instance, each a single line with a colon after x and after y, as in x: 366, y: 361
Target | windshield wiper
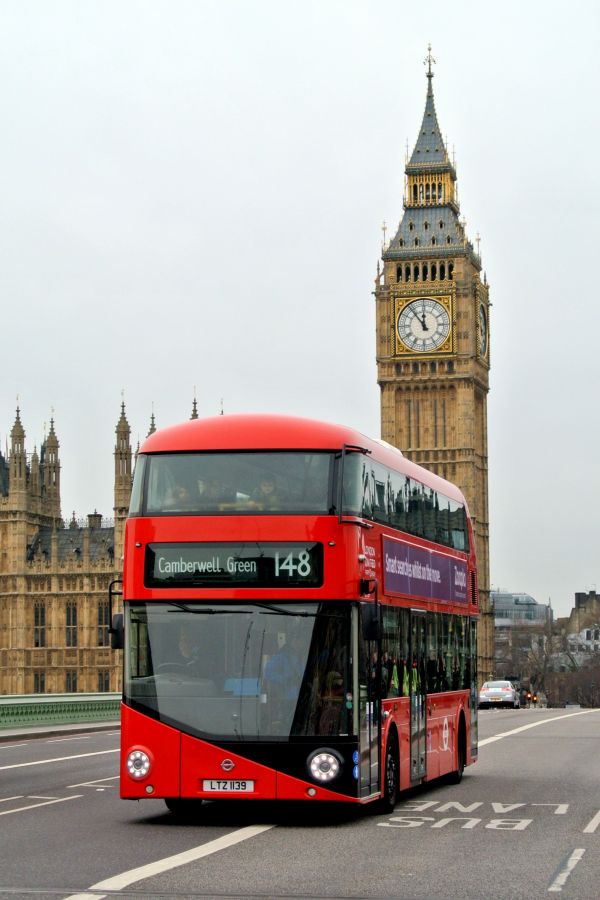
x: 204, y: 610
x: 281, y: 611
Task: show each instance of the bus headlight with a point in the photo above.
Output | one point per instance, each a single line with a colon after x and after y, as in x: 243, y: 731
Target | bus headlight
x: 324, y: 765
x: 138, y: 764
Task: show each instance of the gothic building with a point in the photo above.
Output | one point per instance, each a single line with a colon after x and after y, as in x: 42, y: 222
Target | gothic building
x: 433, y: 350
x: 54, y: 578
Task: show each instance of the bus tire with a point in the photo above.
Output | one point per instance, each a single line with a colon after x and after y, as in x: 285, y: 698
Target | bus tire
x: 461, y: 754
x: 391, y: 774
x: 183, y: 807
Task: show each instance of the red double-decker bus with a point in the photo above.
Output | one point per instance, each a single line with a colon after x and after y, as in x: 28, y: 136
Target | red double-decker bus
x: 299, y: 612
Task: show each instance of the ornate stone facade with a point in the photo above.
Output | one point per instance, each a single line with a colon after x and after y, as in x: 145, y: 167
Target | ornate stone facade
x: 433, y: 349
x: 54, y: 578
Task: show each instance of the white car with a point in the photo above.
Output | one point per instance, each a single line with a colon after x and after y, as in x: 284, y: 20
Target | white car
x: 499, y: 693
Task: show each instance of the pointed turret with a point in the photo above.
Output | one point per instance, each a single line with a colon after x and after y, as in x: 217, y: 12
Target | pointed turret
x: 194, y: 414
x: 50, y: 474
x: 152, y: 428
x: 18, y: 459
x: 123, y: 458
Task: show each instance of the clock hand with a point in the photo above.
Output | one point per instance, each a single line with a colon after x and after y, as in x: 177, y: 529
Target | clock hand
x: 423, y: 322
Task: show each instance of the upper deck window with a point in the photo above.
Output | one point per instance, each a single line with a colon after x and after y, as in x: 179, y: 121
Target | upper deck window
x: 373, y: 491
x: 234, y: 483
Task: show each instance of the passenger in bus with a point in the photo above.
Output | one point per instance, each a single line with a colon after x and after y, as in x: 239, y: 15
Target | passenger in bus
x: 188, y: 650
x: 179, y: 498
x: 285, y: 669
x: 209, y: 490
x: 265, y: 495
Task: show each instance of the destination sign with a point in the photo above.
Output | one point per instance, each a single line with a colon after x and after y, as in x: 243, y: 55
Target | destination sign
x: 234, y: 565
x: 426, y: 574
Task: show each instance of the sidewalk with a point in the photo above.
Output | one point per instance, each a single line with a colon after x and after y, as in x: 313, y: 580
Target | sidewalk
x: 40, y: 731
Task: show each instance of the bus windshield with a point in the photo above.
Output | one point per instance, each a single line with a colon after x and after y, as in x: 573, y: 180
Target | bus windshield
x: 233, y: 671
x: 232, y: 482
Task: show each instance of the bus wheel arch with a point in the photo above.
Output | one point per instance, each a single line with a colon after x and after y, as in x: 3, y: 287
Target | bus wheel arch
x: 455, y: 777
x: 391, y: 771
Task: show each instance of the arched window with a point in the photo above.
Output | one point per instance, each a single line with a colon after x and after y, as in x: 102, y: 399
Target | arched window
x: 398, y: 273
x: 441, y: 223
x: 433, y: 192
x: 440, y: 191
x: 426, y: 225
x: 415, y: 273
x: 425, y: 271
x: 432, y: 241
x: 442, y: 271
x: 450, y: 271
x: 401, y: 242
x: 448, y: 240
x: 415, y: 193
x: 407, y: 272
x: 411, y: 226
x: 416, y: 242
x: 421, y: 192
x: 427, y: 192
x: 433, y: 271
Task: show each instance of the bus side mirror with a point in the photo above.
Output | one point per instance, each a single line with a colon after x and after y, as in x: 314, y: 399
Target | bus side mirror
x: 370, y: 622
x: 116, y: 632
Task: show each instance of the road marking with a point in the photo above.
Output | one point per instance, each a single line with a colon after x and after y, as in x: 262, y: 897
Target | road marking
x: 9, y: 812
x: 43, y: 762
x: 560, y: 881
x: 118, y: 882
x: 498, y: 737
x: 6, y: 799
x: 62, y: 740
x: 592, y: 825
x: 35, y: 797
x: 93, y: 783
x: 11, y: 746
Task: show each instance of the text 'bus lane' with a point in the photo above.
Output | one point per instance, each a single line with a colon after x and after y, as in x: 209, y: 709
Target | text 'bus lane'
x: 500, y: 819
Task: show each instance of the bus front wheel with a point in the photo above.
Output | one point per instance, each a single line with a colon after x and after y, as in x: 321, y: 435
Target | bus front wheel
x: 183, y: 807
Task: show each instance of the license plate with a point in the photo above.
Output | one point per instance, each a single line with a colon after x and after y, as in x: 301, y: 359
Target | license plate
x: 228, y: 786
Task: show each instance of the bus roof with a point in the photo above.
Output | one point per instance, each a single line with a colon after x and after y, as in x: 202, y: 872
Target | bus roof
x: 278, y: 432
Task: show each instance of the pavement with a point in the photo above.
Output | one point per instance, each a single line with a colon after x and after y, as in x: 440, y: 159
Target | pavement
x: 42, y: 731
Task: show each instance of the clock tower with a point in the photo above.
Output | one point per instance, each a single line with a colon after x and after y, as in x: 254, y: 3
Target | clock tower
x: 433, y: 352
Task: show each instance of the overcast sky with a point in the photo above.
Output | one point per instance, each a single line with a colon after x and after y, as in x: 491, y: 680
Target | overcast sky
x: 192, y: 194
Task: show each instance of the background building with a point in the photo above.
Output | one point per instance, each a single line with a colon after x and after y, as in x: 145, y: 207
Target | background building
x: 54, y: 611
x: 433, y: 351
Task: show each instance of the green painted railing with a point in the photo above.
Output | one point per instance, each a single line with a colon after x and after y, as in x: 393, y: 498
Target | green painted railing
x: 27, y: 710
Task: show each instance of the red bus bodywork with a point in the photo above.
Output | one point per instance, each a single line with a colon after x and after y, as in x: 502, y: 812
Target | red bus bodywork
x: 354, y: 562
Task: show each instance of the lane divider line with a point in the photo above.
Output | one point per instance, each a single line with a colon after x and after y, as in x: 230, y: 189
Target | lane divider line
x: 9, y: 812
x: 498, y: 737
x: 560, y: 881
x: 118, y: 882
x: 95, y: 782
x: 592, y: 824
x: 43, y: 762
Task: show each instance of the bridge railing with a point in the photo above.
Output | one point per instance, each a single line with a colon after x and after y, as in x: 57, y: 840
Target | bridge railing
x: 26, y: 710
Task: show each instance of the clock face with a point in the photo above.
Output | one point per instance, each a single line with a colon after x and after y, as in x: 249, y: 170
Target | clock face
x: 423, y: 325
x: 483, y: 333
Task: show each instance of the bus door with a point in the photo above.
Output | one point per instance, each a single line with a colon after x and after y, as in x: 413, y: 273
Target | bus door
x: 418, y: 687
x: 473, y: 686
x: 369, y: 677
